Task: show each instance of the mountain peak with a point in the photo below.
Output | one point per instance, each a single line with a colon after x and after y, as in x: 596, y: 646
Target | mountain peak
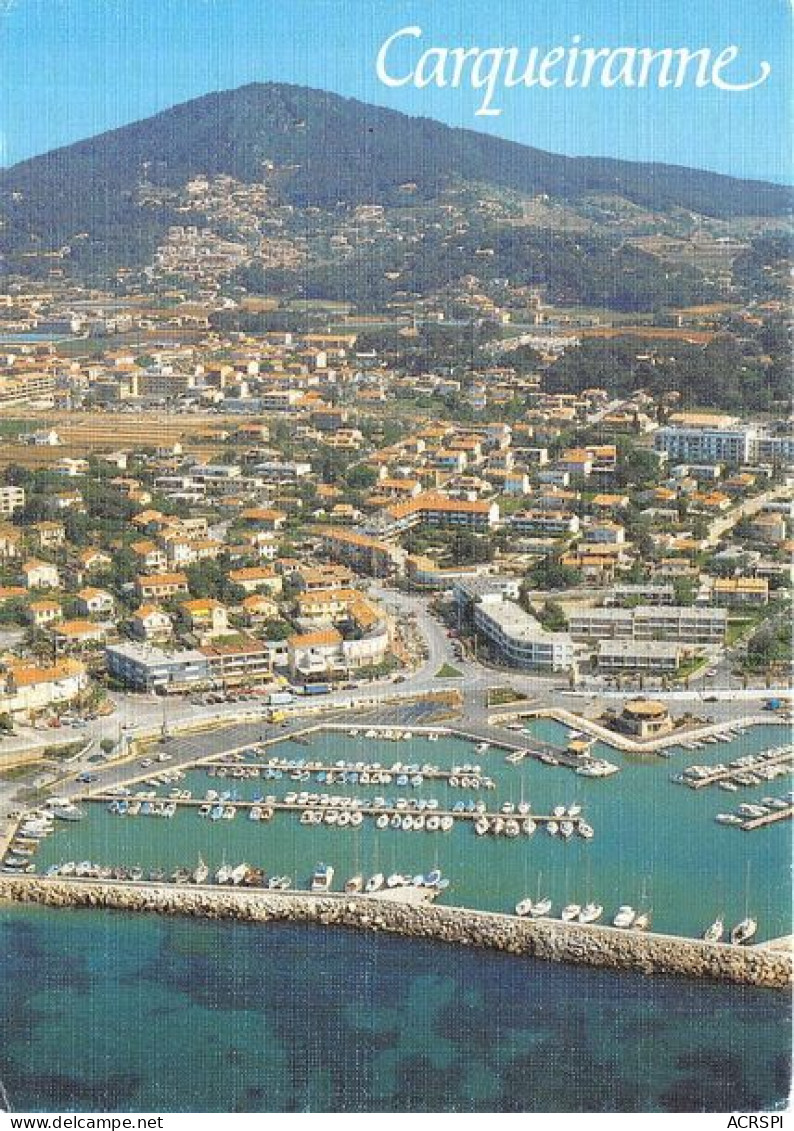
x: 315, y: 148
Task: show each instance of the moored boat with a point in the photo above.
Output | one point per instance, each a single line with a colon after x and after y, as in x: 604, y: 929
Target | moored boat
x: 540, y: 908
x: 744, y: 931
x: 715, y: 932
x: 625, y: 917
x: 322, y: 878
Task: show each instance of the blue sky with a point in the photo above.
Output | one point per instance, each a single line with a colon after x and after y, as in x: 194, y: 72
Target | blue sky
x: 72, y: 68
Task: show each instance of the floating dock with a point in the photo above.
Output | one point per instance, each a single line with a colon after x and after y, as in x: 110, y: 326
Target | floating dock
x: 767, y: 819
x: 783, y: 756
x: 364, y: 809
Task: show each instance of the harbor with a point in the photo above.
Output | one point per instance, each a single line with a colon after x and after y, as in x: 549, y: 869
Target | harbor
x: 262, y: 804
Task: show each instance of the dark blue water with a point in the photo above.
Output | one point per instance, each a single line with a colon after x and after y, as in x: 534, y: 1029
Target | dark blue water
x: 112, y: 1012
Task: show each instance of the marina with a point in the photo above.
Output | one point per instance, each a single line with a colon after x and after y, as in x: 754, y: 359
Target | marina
x: 610, y: 844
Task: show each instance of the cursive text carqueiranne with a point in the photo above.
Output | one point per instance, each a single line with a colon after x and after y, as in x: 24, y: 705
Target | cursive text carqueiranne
x: 487, y: 69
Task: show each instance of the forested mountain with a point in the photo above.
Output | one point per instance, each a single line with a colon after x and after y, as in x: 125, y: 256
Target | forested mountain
x: 109, y: 201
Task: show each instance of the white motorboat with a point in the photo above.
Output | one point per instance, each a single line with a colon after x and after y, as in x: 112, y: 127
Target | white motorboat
x: 570, y: 912
x: 524, y: 907
x: 322, y: 877
x: 66, y: 811
x: 374, y: 883
x: 590, y: 913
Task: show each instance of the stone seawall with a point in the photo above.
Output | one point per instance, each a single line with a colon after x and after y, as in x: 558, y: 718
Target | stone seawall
x: 545, y: 939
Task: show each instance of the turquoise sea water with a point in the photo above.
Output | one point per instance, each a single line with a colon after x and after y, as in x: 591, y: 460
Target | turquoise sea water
x: 656, y: 845
x: 102, y: 1011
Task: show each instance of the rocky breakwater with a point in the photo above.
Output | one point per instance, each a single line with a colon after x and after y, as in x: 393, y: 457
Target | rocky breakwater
x: 544, y: 939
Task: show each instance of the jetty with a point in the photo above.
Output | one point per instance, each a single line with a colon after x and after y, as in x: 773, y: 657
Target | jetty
x: 550, y: 940
x: 257, y: 769
x: 366, y: 809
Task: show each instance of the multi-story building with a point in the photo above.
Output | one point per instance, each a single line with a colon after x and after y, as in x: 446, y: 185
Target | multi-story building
x: 26, y: 689
x: 518, y: 638
x: 143, y: 667
x: 647, y: 594
x: 11, y: 499
x: 544, y: 522
x: 640, y: 655
x: 369, y: 555
x: 158, y: 585
x: 241, y: 659
x: 650, y: 622
x: 732, y: 445
x: 740, y: 591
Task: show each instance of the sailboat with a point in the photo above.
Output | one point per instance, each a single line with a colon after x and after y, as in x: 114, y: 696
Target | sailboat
x: 746, y: 929
x: 200, y: 873
x: 540, y: 907
x: 715, y: 932
x: 642, y: 920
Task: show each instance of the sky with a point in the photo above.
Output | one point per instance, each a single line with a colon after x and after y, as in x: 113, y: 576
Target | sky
x: 73, y: 68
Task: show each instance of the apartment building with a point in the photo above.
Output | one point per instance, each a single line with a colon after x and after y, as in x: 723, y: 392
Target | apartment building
x: 11, y: 499
x: 650, y: 622
x: 519, y: 639
x: 552, y: 523
x: 640, y: 656
x: 159, y: 585
x: 143, y: 667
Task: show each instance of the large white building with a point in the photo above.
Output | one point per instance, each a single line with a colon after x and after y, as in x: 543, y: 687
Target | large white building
x: 651, y: 622
x: 520, y: 640
x: 732, y: 444
x: 707, y: 444
x: 28, y: 690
